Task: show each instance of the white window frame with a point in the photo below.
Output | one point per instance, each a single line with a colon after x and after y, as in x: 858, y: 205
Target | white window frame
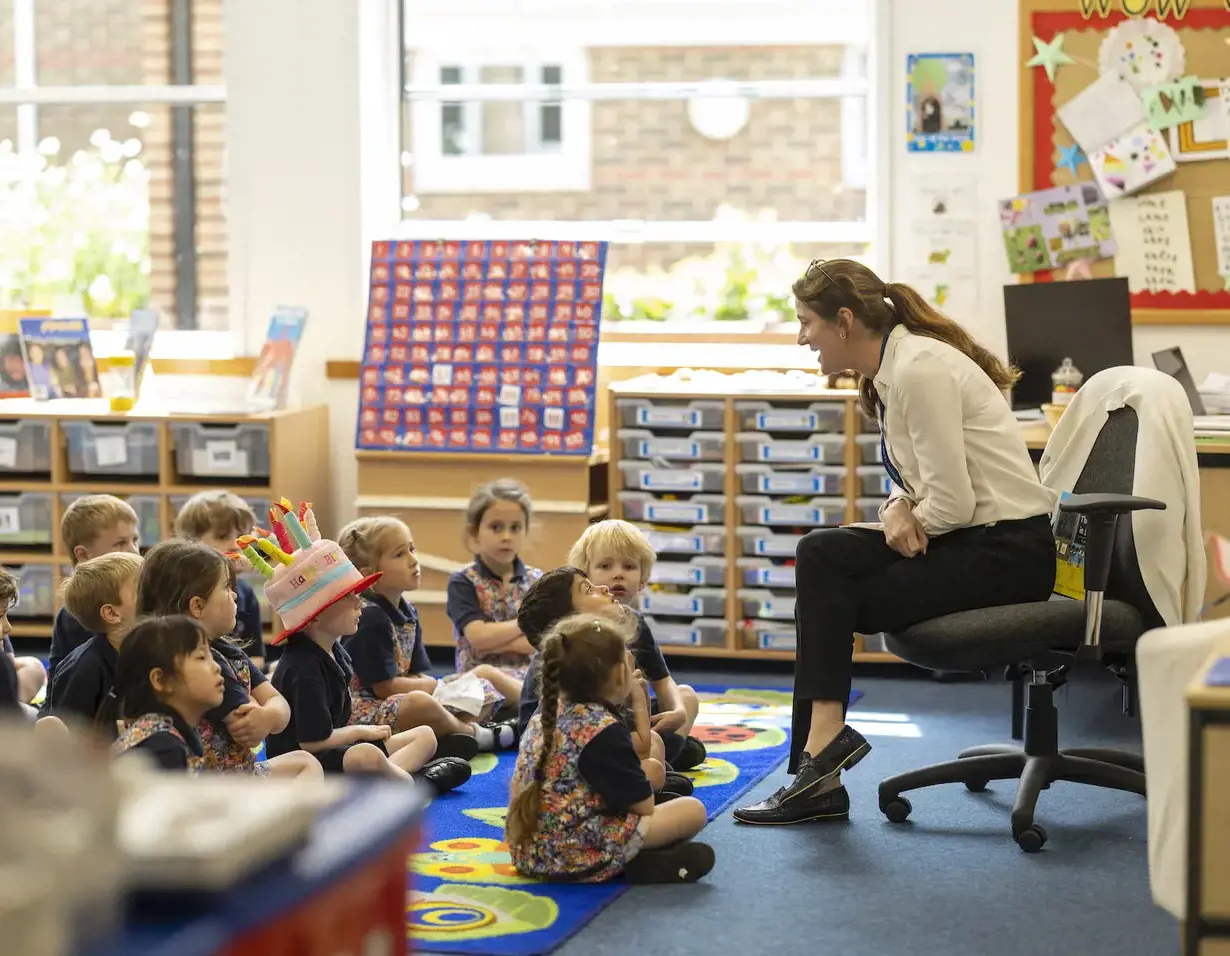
x: 568, y: 169
x: 855, y: 112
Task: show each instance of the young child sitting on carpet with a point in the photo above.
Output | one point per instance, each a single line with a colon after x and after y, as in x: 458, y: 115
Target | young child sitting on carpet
x: 315, y: 589
x: 167, y: 681
x: 483, y: 598
x: 21, y: 678
x: 391, y: 684
x: 582, y: 807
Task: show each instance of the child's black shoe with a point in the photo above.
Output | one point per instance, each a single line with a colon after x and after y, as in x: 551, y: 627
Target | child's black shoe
x: 457, y: 745
x: 691, y: 756
x: 682, y: 863
x: 443, y: 774
x: 677, y: 784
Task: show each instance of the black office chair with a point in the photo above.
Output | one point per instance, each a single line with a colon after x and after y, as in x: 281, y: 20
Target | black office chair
x: 1045, y: 638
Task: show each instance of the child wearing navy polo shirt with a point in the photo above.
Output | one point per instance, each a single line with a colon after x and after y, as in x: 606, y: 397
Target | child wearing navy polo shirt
x: 10, y: 699
x: 101, y: 594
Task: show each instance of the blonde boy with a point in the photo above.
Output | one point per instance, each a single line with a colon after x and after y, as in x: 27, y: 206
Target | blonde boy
x: 216, y: 519
x: 616, y: 555
x: 102, y: 595
x: 92, y: 525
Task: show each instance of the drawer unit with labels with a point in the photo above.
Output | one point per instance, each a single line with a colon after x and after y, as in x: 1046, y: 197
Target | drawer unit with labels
x: 704, y: 631
x: 764, y: 603
x: 647, y: 476
x: 763, y: 573
x: 869, y: 509
x: 770, y: 636
x: 699, y: 509
x: 772, y: 417
x: 869, y: 449
x: 767, y: 543
x: 221, y: 451
x: 697, y: 446
x: 701, y: 539
x: 816, y: 449
x: 25, y: 448
x: 874, y: 480
x: 35, y: 591
x: 664, y: 413
x: 816, y: 480
x: 105, y: 448
x: 817, y: 512
x: 697, y: 602
x: 25, y: 520
x: 703, y: 570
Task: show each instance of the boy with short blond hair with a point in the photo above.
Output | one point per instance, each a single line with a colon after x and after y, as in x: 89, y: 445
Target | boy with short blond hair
x: 92, y: 525
x: 216, y: 519
x: 102, y: 595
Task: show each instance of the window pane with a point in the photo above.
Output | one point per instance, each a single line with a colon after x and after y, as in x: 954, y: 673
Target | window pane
x: 7, y: 73
x: 503, y: 125
x: 92, y: 229
x: 99, y: 42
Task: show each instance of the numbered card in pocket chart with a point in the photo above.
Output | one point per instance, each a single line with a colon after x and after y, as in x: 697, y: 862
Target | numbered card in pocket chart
x: 1129, y: 163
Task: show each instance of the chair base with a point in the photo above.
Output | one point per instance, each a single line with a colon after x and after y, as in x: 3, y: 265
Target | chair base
x: 1037, y: 765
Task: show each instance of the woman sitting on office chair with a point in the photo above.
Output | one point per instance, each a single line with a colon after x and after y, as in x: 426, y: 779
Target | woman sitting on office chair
x: 967, y: 524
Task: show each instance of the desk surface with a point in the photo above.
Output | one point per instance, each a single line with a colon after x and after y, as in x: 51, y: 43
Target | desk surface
x: 1036, y: 434
x: 1202, y: 697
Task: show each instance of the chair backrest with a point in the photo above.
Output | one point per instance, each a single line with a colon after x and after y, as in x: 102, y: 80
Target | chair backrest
x: 1111, y: 469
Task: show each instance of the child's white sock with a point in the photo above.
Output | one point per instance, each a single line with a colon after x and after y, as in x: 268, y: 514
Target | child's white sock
x: 485, y: 738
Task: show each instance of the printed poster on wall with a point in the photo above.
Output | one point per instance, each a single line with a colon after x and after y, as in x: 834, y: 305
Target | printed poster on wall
x: 940, y: 102
x: 482, y: 346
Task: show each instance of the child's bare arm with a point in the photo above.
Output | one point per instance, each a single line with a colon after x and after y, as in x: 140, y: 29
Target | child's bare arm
x: 274, y: 707
x: 403, y: 685
x: 642, y: 739
x: 488, y: 637
x: 345, y: 736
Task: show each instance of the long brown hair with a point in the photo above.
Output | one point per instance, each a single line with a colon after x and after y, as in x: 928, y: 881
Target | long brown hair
x: 578, y: 655
x: 832, y: 284
x: 174, y: 572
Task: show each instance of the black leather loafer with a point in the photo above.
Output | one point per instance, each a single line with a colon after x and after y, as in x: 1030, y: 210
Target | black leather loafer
x: 444, y: 774
x: 457, y: 745
x: 678, y: 784
x: 682, y: 863
x: 784, y: 808
x: 691, y: 755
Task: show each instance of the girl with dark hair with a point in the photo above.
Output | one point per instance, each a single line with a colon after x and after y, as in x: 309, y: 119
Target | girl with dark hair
x: 967, y: 524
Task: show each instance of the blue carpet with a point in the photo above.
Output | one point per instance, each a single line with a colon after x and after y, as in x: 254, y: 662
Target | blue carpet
x: 468, y: 899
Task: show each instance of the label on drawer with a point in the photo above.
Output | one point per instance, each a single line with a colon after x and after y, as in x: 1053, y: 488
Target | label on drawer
x: 789, y: 451
x: 8, y: 453
x: 671, y: 447
x: 778, y: 545
x: 682, y: 417
x: 675, y: 634
x: 777, y: 640
x: 224, y: 459
x: 110, y: 451
x: 10, y: 521
x: 784, y: 483
x: 672, y: 572
x: 886, y: 485
x: 787, y: 418
x: 681, y: 511
x: 778, y: 608
x: 776, y: 577
x: 670, y: 604
x: 668, y: 479
x: 791, y: 514
x: 685, y: 543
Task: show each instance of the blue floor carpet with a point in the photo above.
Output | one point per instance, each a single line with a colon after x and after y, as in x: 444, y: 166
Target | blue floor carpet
x: 468, y: 899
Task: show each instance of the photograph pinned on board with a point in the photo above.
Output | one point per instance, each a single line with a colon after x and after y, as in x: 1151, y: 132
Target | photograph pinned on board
x: 1129, y: 163
x: 1207, y: 136
x: 59, y: 358
x: 1052, y: 227
x: 940, y: 102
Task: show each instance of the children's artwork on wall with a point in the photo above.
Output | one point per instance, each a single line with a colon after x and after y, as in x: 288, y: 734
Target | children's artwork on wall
x: 940, y: 102
x: 944, y: 196
x: 1101, y: 111
x: 1144, y: 51
x: 953, y: 292
x: 1207, y: 136
x: 1170, y: 104
x: 270, y: 384
x: 1052, y: 227
x: 1221, y: 235
x: 1129, y: 163
x: 1155, y: 250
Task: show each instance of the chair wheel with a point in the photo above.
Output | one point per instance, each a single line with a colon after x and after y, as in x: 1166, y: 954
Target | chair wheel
x: 976, y: 786
x: 897, y: 809
x: 1032, y: 838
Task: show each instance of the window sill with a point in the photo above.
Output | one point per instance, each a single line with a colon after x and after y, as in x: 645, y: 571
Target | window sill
x: 174, y: 344
x: 455, y: 175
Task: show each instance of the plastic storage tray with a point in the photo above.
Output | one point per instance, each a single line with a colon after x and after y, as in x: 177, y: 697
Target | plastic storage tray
x: 818, y: 449
x: 874, y: 643
x: 702, y: 539
x: 35, y: 591
x: 766, y: 636
x: 819, y: 512
x: 25, y: 447
x: 708, y: 632
x: 874, y: 480
x: 815, y: 417
x: 699, y: 509
x: 221, y: 451
x: 651, y: 413
x: 868, y: 448
x: 96, y: 448
x: 698, y: 602
x: 765, y: 542
x: 698, y: 446
x: 149, y: 523
x: 761, y: 602
x: 763, y: 573
x: 25, y: 519
x: 642, y: 476
x: 703, y: 570
x: 869, y: 509
x: 816, y: 480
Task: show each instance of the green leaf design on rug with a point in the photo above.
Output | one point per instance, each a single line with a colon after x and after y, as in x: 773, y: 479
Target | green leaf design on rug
x: 453, y: 912
x: 713, y: 773
x: 495, y: 816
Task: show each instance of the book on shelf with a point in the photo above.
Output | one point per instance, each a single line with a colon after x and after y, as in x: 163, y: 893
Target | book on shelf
x: 59, y: 358
x: 14, y: 382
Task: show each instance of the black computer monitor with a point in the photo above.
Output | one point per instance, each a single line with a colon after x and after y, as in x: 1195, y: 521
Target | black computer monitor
x: 1172, y: 362
x: 1086, y: 320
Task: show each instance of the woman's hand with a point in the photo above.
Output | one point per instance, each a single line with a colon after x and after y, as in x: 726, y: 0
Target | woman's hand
x: 902, y: 531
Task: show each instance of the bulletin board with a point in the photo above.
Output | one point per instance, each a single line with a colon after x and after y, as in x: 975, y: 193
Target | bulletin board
x: 1203, y: 27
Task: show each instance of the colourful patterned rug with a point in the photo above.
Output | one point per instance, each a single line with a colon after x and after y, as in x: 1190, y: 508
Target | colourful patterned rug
x: 466, y: 897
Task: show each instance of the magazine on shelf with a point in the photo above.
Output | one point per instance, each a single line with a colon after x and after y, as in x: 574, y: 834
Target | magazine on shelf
x: 270, y: 383
x: 13, y: 380
x: 1071, y: 531
x: 59, y: 358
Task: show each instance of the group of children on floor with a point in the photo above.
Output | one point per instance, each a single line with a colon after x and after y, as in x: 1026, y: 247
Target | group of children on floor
x: 163, y: 654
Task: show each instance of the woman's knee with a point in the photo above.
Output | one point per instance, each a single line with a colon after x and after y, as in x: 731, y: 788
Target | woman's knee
x: 816, y: 547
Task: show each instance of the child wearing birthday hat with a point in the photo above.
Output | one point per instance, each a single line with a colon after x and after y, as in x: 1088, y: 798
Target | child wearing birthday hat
x: 315, y: 589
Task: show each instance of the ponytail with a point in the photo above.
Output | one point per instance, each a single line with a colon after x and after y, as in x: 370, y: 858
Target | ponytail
x: 523, y: 809
x: 829, y: 285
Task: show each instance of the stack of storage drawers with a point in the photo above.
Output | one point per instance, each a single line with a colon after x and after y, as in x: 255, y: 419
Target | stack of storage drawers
x: 791, y: 477
x: 672, y: 473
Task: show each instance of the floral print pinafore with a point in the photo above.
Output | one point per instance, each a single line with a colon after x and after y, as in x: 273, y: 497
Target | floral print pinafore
x: 221, y: 752
x: 498, y: 603
x: 576, y: 839
x: 144, y: 727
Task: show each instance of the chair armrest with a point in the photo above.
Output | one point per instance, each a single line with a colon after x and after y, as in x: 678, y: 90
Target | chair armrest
x: 1101, y: 518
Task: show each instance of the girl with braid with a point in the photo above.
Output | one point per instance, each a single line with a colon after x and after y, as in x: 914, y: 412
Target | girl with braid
x: 582, y: 808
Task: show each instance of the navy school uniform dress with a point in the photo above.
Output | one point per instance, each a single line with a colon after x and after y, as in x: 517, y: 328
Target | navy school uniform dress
x: 164, y: 736
x: 10, y: 704
x: 649, y: 661
x: 316, y: 684
x: 83, y: 683
x: 249, y: 631
x: 67, y: 634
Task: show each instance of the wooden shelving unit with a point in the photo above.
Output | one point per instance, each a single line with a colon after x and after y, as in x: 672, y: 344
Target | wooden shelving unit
x: 299, y: 468
x: 740, y: 638
x: 430, y: 492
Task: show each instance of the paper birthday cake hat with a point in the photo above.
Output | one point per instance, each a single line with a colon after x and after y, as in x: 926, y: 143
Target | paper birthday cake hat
x: 304, y: 573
